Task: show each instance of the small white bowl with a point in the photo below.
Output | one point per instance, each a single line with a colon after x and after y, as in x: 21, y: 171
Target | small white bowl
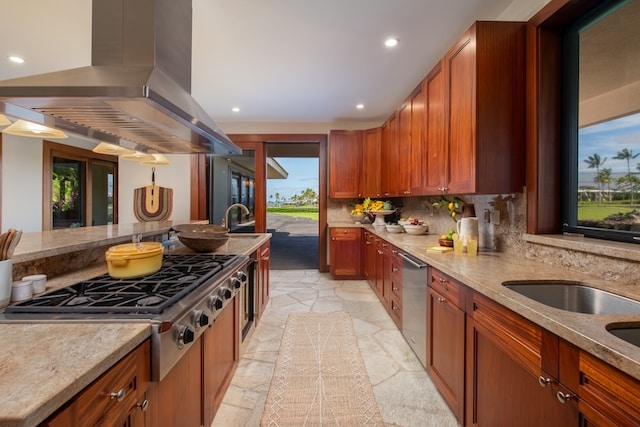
x: 415, y: 229
x: 38, y: 282
x: 21, y: 290
x: 394, y: 228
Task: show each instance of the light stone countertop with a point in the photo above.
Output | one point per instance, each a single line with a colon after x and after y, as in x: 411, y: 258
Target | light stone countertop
x: 486, y: 272
x: 43, y: 365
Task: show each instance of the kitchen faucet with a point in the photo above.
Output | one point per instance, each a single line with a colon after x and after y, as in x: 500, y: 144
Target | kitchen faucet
x: 235, y: 205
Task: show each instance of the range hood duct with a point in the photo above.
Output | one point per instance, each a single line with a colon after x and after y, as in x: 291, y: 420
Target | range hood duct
x: 136, y: 93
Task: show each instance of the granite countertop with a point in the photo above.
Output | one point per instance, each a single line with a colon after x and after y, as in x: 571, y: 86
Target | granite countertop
x: 486, y: 272
x: 43, y: 365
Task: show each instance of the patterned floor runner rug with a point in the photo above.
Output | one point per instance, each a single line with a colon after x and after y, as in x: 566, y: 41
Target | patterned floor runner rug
x: 320, y: 378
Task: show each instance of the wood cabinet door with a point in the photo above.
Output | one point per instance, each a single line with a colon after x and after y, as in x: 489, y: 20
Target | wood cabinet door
x: 220, y: 348
x: 371, y: 163
x: 400, y: 157
x: 445, y: 349
x: 346, y: 261
x: 461, y: 87
x: 418, y: 148
x: 435, y: 151
x: 345, y: 164
x: 368, y: 258
x: 264, y: 264
x: 388, y: 154
x: 177, y: 398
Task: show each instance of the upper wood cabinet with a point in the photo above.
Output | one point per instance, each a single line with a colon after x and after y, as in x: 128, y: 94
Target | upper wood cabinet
x: 345, y: 164
x: 418, y: 149
x: 388, y: 155
x: 484, y: 75
x: 434, y: 156
x: 371, y: 163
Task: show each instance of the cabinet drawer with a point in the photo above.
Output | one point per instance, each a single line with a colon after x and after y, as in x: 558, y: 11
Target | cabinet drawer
x: 395, y: 311
x: 98, y: 404
x: 520, y: 338
x: 609, y: 391
x: 446, y: 286
x: 345, y: 233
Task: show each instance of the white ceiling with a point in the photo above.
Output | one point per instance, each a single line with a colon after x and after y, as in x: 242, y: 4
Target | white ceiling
x: 277, y: 60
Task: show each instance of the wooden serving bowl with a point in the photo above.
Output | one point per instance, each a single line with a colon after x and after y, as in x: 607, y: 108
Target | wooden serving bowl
x: 204, y: 242
x: 204, y: 229
x: 446, y: 242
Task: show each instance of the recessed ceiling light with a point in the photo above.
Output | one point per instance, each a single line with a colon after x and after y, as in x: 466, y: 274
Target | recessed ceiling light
x: 16, y: 59
x: 391, y: 42
x: 235, y: 109
x: 360, y: 106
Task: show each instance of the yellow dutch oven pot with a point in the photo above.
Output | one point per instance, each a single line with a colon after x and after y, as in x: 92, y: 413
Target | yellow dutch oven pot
x: 134, y: 259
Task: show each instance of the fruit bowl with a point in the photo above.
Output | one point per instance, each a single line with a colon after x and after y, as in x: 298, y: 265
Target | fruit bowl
x: 446, y: 242
x: 415, y: 229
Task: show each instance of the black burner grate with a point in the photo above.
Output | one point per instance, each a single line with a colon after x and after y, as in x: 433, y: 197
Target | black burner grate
x: 178, y: 276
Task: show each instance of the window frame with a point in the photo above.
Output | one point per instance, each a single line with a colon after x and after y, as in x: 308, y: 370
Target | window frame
x: 53, y: 149
x: 569, y: 129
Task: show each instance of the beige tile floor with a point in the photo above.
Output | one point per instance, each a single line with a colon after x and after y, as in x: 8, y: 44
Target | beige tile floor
x: 405, y: 394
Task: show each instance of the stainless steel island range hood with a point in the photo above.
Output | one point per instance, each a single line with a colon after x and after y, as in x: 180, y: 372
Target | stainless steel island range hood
x: 136, y: 93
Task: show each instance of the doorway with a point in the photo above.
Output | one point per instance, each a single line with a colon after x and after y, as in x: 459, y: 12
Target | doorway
x: 292, y: 238
x: 292, y: 205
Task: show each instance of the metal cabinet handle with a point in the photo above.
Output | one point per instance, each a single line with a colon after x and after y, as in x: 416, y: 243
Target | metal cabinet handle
x: 118, y: 395
x: 441, y: 280
x: 143, y: 405
x: 564, y: 397
x: 395, y: 269
x: 544, y: 381
x: 441, y: 299
x: 395, y: 288
x: 396, y: 308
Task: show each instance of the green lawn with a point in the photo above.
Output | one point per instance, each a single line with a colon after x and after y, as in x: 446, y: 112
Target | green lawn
x: 595, y: 212
x: 310, y: 212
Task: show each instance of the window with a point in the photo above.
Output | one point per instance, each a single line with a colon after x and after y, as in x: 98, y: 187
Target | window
x: 79, y: 187
x: 602, y: 123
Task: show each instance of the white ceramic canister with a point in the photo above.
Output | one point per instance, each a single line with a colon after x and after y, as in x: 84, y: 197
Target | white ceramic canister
x: 6, y: 276
x: 38, y: 282
x: 467, y: 227
x: 21, y: 290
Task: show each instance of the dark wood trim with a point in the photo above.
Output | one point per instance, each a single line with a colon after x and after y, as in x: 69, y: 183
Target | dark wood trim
x: 199, y: 204
x: 544, y: 112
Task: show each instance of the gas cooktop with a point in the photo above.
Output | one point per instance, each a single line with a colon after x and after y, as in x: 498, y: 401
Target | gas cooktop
x: 148, y: 295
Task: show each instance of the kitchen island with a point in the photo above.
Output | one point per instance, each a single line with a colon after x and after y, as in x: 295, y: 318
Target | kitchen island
x: 44, y: 365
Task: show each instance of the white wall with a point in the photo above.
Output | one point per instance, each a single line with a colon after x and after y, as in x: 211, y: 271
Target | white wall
x: 21, y: 183
x: 521, y: 10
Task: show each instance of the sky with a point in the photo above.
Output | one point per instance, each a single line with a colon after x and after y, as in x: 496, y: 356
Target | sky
x: 303, y: 174
x: 607, y: 139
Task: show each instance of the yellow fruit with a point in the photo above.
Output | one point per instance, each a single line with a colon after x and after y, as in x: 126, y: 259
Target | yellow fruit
x: 451, y: 206
x: 444, y: 237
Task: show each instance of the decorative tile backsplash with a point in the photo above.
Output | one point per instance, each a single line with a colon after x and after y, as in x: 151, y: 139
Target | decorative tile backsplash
x: 501, y: 227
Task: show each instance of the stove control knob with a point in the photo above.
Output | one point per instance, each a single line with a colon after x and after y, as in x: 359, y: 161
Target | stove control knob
x: 235, y: 282
x: 185, y: 335
x: 242, y: 276
x: 215, y: 303
x: 225, y: 292
x: 199, y: 319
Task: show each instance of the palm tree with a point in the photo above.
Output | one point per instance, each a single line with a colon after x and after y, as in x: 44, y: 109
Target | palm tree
x: 277, y: 198
x: 605, y: 178
x: 626, y: 154
x: 595, y: 162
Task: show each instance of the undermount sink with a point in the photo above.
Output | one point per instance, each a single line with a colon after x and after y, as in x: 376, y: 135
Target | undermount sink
x: 626, y: 332
x: 574, y: 296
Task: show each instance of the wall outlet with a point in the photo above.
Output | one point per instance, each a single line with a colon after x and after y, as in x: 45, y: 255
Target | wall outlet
x: 494, y: 217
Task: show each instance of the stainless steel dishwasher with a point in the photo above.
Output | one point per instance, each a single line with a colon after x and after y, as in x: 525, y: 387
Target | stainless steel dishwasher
x: 414, y: 305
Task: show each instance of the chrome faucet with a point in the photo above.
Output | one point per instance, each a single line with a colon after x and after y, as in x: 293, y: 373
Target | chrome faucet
x: 235, y: 205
